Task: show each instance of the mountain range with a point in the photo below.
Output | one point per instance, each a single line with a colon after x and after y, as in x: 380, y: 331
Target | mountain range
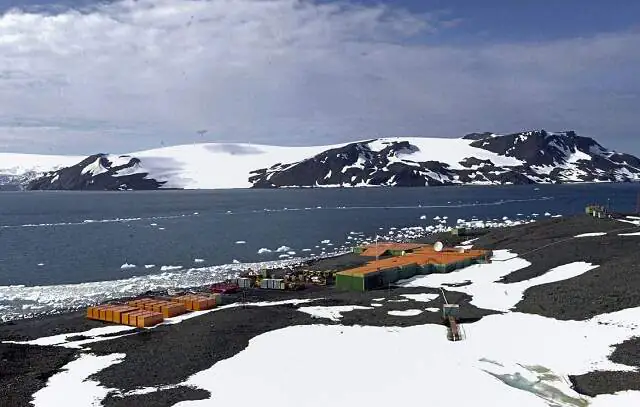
x: 478, y: 158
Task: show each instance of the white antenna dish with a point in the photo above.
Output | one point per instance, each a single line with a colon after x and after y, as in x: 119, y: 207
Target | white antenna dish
x: 438, y: 246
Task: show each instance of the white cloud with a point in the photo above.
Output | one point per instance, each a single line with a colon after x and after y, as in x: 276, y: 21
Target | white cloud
x: 292, y: 72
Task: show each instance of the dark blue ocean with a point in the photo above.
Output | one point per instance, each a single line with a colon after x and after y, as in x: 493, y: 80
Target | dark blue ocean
x: 61, y: 246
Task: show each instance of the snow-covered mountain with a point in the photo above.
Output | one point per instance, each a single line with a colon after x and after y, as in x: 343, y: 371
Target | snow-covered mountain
x: 478, y: 158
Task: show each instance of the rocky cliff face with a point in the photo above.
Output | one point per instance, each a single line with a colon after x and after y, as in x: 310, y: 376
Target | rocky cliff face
x: 538, y: 157
x: 477, y: 158
x: 98, y: 172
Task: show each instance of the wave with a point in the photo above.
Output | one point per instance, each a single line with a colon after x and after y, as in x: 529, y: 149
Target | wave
x: 94, y: 221
x: 448, y: 205
x: 86, y: 222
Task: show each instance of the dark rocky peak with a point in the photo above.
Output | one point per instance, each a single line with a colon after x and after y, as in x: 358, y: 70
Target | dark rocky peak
x: 478, y: 136
x: 539, y: 147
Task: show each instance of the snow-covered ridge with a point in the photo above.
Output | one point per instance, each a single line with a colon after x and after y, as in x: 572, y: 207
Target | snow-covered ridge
x: 478, y: 158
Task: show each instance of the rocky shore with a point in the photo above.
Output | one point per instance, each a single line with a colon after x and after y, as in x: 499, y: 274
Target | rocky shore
x: 165, y: 356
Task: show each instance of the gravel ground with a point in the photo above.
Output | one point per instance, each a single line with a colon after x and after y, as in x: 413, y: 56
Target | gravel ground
x: 613, y: 286
x: 592, y: 384
x: 26, y: 369
x: 161, y: 398
x: 168, y: 354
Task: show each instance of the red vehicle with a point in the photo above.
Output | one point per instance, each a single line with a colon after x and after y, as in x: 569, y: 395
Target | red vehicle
x: 225, y: 288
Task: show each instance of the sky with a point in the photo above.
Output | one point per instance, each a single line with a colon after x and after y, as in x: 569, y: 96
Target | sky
x: 81, y: 76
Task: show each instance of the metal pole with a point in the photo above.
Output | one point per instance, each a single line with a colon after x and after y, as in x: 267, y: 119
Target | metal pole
x: 377, y: 254
x: 444, y: 296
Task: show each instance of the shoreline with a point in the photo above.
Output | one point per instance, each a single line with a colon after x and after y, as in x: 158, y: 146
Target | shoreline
x: 224, y: 333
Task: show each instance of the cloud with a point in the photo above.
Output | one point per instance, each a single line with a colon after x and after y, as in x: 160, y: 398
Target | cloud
x: 294, y: 72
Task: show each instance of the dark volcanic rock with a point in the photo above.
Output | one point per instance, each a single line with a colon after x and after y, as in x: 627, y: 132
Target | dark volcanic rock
x: 25, y: 369
x: 478, y: 136
x: 544, y: 158
x: 520, y: 158
x: 595, y: 383
x: 160, y: 398
x: 97, y: 173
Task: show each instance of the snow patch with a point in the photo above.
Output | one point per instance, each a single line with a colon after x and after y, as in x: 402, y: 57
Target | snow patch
x: 405, y: 313
x: 74, y: 377
x: 333, y: 313
x: 420, y: 297
x: 594, y: 234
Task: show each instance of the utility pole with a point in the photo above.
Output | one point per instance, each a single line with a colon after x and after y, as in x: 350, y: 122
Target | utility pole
x: 377, y: 254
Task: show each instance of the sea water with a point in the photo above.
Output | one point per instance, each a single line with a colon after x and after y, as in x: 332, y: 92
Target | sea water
x: 60, y: 249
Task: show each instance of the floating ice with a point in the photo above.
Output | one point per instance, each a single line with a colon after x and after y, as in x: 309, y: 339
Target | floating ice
x: 170, y: 268
x: 149, y: 266
x: 241, y: 242
x: 65, y: 297
x: 40, y: 264
x: 325, y: 241
x: 198, y: 260
x: 283, y: 249
x: 126, y: 266
x: 236, y: 261
x: 160, y: 228
x: 291, y: 253
x: 264, y: 250
x: 432, y: 309
x: 153, y: 224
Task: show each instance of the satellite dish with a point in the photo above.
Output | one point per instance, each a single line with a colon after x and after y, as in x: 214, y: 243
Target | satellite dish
x: 438, y: 246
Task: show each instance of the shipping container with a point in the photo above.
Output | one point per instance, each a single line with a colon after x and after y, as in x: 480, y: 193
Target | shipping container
x: 244, y: 282
x: 349, y: 282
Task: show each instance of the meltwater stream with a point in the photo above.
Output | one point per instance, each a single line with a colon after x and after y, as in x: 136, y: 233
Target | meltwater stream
x: 67, y: 249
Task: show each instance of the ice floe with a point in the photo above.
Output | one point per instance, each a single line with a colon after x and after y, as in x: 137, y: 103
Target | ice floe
x: 170, y: 268
x: 64, y: 297
x: 126, y: 266
x: 198, y: 260
x: 264, y: 250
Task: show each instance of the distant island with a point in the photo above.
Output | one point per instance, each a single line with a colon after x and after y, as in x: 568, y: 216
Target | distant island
x: 531, y: 157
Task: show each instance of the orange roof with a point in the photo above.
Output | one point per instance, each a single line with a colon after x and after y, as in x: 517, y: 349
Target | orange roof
x: 421, y: 257
x: 379, y: 249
